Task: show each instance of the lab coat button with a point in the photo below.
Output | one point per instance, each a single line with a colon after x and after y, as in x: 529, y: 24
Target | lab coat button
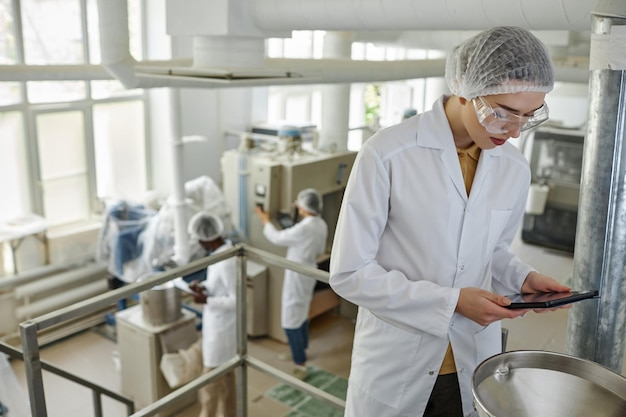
x: 431, y: 373
x: 462, y: 267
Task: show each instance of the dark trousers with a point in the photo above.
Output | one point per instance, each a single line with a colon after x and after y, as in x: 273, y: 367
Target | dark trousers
x: 445, y: 400
x: 298, y: 342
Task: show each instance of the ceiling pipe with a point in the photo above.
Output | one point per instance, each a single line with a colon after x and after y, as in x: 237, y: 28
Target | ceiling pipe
x: 351, y: 15
x: 211, y: 52
x: 53, y: 73
x: 228, y: 51
x: 315, y: 71
x: 116, y: 57
x: 115, y: 45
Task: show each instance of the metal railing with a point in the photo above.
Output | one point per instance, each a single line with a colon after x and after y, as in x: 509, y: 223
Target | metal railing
x: 96, y: 390
x: 239, y: 364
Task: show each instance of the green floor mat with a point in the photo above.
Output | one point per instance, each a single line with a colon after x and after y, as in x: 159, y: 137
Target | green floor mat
x: 303, y: 405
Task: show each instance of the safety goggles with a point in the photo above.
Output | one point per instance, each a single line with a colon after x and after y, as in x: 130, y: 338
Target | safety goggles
x: 498, y: 120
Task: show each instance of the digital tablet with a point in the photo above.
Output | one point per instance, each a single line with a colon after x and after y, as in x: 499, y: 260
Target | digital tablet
x: 549, y: 299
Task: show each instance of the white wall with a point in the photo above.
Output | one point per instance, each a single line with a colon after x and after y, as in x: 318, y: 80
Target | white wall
x: 569, y: 104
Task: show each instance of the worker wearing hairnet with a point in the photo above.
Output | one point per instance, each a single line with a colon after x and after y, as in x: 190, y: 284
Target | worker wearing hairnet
x: 219, y: 318
x: 422, y: 243
x: 305, y: 241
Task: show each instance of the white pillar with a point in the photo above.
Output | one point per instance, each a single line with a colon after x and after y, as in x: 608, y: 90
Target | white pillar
x: 181, y: 240
x: 335, y: 98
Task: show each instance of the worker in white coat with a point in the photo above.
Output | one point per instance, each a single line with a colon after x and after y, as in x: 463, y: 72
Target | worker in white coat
x: 422, y: 244
x: 219, y: 317
x: 305, y: 241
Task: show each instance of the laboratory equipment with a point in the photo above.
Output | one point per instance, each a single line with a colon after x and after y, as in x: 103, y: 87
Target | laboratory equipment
x: 555, y: 157
x: 136, y: 241
x: 141, y: 346
x: 539, y: 383
x: 268, y: 174
x: 161, y: 304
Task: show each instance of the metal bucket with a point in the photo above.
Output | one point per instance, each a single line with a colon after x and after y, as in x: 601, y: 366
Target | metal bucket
x: 161, y: 305
x: 546, y: 384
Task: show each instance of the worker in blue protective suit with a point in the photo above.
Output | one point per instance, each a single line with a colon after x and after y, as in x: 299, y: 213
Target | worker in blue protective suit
x: 219, y: 318
x: 305, y: 241
x: 422, y: 243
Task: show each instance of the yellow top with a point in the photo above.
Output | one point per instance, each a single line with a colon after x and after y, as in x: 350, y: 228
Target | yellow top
x: 469, y: 161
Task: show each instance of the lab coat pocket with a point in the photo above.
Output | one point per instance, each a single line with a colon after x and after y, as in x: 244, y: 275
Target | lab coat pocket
x: 383, y: 359
x: 497, y: 223
x: 488, y: 342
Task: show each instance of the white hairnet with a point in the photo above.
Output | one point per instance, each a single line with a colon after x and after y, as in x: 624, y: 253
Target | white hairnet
x: 205, y: 226
x: 501, y: 60
x: 310, y: 200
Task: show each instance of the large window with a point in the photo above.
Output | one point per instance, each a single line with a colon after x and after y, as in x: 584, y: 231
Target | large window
x: 372, y: 105
x: 66, y: 145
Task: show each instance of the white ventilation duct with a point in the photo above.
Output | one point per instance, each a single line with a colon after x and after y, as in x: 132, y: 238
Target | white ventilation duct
x: 229, y: 36
x: 350, y: 15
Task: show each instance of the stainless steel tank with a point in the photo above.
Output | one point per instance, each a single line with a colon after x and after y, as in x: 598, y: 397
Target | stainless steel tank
x: 161, y: 304
x: 546, y: 384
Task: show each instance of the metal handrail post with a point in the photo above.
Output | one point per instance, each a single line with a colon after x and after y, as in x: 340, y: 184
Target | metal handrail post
x: 32, y: 368
x: 239, y: 364
x: 267, y: 258
x: 97, y: 403
x: 241, y: 373
x: 296, y: 383
x: 17, y: 354
x: 193, y: 386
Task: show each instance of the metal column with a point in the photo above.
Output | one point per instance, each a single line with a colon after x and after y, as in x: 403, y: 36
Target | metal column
x: 597, y: 329
x: 241, y: 372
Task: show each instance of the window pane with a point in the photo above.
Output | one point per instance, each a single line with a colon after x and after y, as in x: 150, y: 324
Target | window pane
x: 119, y: 136
x: 9, y: 93
x: 8, y: 52
x: 55, y: 91
x: 52, y: 32
x: 62, y: 162
x: 13, y: 167
x: 61, y: 141
x: 65, y: 199
x: 113, y: 88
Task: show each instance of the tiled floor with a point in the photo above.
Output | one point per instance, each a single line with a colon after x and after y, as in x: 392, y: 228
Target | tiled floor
x: 90, y: 354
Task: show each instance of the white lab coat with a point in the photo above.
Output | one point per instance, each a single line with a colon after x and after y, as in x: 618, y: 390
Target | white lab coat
x: 408, y: 238
x: 219, y: 318
x: 305, y: 241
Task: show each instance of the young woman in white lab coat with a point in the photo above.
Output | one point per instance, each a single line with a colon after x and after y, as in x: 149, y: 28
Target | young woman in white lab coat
x: 305, y: 241
x: 427, y: 262
x: 219, y: 317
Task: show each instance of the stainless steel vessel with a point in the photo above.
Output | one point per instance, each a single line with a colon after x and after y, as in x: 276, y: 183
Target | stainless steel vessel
x: 161, y: 305
x: 546, y: 384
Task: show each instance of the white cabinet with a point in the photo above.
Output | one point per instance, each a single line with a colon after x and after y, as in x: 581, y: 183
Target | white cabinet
x: 141, y: 346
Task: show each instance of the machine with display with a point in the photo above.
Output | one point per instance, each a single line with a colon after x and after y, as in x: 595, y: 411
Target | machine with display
x: 269, y: 173
x: 555, y: 156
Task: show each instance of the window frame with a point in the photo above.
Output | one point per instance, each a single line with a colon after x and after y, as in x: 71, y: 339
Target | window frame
x: 30, y: 112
